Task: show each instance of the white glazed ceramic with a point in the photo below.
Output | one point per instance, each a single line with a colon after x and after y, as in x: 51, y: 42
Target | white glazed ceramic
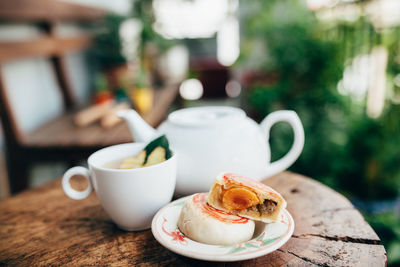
x: 267, y: 237
x: 130, y: 197
x: 211, y: 140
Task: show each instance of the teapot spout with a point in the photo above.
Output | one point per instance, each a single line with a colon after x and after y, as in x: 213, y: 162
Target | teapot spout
x: 140, y: 130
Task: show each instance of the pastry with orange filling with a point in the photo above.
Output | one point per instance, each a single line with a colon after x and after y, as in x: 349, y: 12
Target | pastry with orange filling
x: 243, y: 196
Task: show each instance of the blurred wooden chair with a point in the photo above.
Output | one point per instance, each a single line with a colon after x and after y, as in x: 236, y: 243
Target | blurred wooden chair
x: 58, y: 139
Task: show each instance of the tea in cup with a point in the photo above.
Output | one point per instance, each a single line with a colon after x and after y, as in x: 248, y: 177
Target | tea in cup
x: 131, y: 197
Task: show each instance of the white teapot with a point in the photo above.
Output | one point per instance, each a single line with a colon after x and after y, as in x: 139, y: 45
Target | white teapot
x: 211, y: 140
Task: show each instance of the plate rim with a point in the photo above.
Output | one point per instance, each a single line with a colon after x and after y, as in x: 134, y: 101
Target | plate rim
x: 222, y: 257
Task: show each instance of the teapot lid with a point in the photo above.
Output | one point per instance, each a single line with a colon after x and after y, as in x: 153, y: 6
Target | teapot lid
x: 201, y: 116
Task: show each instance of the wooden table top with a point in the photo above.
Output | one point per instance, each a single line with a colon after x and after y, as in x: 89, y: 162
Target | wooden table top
x: 42, y: 226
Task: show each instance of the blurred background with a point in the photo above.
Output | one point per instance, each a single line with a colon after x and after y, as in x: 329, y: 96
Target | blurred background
x: 335, y: 62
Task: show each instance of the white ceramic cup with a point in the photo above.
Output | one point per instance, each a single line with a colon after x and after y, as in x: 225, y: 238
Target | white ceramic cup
x: 130, y: 197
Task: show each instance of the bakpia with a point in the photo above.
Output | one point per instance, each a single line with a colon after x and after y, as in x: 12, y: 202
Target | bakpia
x: 243, y: 196
x: 203, y: 223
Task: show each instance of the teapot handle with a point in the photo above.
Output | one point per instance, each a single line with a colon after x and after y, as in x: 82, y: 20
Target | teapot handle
x: 290, y: 117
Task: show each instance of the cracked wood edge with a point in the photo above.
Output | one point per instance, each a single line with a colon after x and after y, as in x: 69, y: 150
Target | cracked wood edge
x: 318, y: 210
x: 322, y: 252
x: 328, y: 229
x: 343, y: 239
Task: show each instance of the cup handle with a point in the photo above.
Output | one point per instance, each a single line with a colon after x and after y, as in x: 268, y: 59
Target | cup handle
x: 290, y: 117
x: 69, y: 191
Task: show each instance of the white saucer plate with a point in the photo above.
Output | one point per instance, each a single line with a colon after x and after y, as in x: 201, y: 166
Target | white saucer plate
x: 266, y: 239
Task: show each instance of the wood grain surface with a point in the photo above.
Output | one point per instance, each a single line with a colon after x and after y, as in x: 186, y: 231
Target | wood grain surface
x: 44, y: 227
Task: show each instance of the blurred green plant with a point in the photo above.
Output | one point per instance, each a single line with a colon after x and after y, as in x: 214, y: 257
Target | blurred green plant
x: 151, y: 44
x: 372, y: 154
x: 387, y: 227
x: 308, y: 69
x: 303, y: 60
x: 344, y: 148
x: 143, y: 11
x: 106, y: 52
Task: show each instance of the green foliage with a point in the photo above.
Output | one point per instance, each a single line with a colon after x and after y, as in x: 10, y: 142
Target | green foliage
x: 344, y: 148
x: 308, y: 69
x: 107, y: 48
x: 100, y: 83
x: 373, y: 156
x: 143, y: 10
x: 387, y: 227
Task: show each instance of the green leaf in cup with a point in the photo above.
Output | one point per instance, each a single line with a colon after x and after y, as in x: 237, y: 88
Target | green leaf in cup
x: 161, y: 141
x: 155, y: 152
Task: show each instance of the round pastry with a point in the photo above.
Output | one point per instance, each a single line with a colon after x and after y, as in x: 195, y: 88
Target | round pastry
x: 245, y: 197
x: 203, y: 223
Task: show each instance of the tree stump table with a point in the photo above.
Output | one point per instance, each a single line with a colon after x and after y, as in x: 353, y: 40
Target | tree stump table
x: 42, y: 226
